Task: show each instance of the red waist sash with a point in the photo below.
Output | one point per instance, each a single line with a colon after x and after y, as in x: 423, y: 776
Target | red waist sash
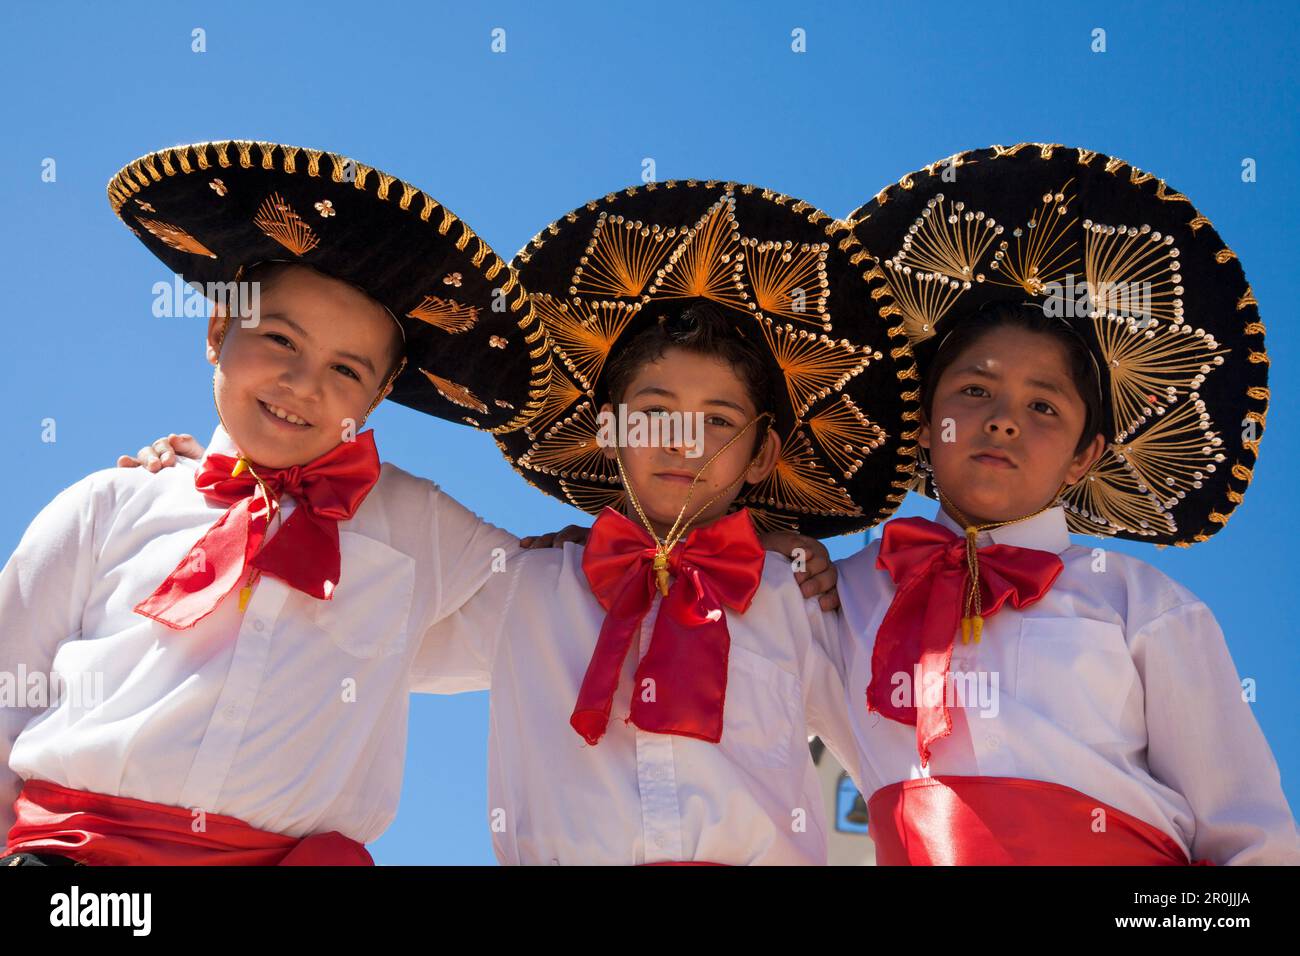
x: 1007, y: 821
x: 101, y: 830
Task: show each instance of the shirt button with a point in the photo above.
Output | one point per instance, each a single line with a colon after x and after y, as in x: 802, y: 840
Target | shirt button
x: 993, y: 741
x: 232, y: 711
x: 660, y: 841
x: 258, y: 625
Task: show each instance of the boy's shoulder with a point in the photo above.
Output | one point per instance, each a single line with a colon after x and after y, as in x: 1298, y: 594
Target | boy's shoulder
x: 1133, y: 587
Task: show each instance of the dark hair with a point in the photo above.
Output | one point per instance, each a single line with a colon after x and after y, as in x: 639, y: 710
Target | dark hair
x: 702, y: 329
x: 1084, y: 372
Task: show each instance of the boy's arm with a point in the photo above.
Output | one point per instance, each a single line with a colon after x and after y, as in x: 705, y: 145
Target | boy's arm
x: 1204, y: 742
x: 826, y: 703
x: 43, y: 590
x: 472, y: 576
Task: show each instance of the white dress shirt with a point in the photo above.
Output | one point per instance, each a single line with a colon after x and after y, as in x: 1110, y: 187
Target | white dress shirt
x: 1117, y: 683
x: 290, y: 716
x: 638, y: 797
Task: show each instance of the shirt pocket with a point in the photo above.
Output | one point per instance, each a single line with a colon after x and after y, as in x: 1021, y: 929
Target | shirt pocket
x: 762, y: 710
x: 1078, y: 674
x: 369, y: 613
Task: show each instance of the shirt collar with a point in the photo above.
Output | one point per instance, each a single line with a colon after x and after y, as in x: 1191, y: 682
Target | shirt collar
x: 1046, y: 531
x: 221, y: 444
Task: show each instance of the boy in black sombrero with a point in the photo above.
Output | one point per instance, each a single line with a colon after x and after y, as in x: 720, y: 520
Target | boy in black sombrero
x: 653, y: 690
x: 234, y: 641
x: 1092, y: 361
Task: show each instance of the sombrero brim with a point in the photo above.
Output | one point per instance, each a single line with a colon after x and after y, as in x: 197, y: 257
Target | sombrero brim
x: 1172, y: 322
x: 472, y: 340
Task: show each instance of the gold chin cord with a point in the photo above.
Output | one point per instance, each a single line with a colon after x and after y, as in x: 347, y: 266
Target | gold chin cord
x: 679, y: 529
x: 242, y: 464
x: 972, y: 620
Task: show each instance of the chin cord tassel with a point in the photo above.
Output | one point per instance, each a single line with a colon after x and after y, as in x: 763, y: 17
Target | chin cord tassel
x: 661, y: 570
x: 246, y: 592
x: 972, y: 622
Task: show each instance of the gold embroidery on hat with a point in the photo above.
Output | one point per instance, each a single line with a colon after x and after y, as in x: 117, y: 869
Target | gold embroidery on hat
x: 584, y: 332
x: 1151, y: 368
x: 845, y: 434
x: 559, y: 395
x: 1121, y: 261
x: 455, y: 392
x: 705, y: 263
x: 621, y: 257
x: 593, y: 498
x: 176, y: 237
x: 569, y: 449
x: 777, y: 270
x: 446, y: 314
x: 279, y: 222
x: 813, y: 365
x: 1107, y: 500
x: 766, y: 521
x: 1040, y: 253
x: 948, y: 239
x: 799, y: 483
x: 1174, y: 454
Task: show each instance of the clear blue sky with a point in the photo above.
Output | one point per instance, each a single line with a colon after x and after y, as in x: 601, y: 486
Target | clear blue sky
x: 581, y: 96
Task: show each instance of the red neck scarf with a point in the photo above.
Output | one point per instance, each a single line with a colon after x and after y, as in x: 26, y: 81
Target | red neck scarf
x: 927, y: 563
x: 681, y: 683
x: 305, y: 552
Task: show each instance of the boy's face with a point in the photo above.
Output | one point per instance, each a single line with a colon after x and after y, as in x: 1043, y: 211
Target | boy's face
x: 320, y: 353
x: 687, y: 383
x: 1004, y: 424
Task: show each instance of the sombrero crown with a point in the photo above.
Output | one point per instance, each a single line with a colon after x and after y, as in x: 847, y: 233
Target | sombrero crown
x: 1138, y: 273
x: 847, y: 405
x: 210, y: 210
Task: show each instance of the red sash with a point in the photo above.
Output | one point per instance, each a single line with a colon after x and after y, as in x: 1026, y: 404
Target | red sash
x: 1007, y: 821
x: 101, y: 830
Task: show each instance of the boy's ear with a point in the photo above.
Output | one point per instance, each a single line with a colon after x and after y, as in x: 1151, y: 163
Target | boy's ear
x: 608, y: 450
x: 923, y: 439
x: 216, y: 322
x: 766, y: 459
x: 1084, y: 460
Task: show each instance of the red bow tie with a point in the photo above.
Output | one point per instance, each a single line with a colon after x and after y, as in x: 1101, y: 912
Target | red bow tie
x: 305, y: 552
x: 928, y: 565
x: 681, y: 683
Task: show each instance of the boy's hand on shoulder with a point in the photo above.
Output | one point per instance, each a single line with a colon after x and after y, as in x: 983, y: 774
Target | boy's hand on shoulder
x: 556, y: 539
x: 164, y: 453
x: 813, y: 567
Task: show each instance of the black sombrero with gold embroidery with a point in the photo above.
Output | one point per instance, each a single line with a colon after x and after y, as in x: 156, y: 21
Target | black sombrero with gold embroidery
x: 847, y: 396
x: 474, y: 348
x: 1168, y: 315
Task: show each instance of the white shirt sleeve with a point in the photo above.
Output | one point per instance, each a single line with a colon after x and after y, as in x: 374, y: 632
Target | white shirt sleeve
x: 467, y: 552
x: 456, y: 653
x: 43, y: 590
x: 826, y: 703
x: 1204, y: 742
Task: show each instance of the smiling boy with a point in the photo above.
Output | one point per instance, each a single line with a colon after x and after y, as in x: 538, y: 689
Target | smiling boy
x: 252, y: 621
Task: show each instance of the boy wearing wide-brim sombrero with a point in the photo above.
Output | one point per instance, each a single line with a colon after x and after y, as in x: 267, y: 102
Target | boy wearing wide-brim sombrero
x: 1092, y: 361
x: 236, y: 638
x: 654, y: 690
